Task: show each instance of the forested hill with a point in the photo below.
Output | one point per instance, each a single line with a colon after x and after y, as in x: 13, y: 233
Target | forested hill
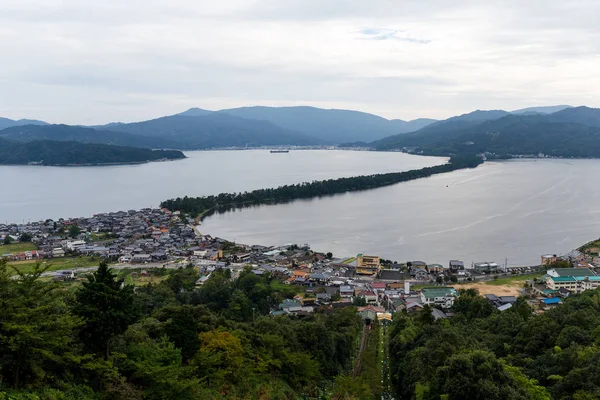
x: 201, y: 205
x: 47, y: 152
x: 69, y: 133
x: 101, y: 340
x: 573, y: 132
x: 214, y: 130
x: 483, y: 353
x: 330, y: 126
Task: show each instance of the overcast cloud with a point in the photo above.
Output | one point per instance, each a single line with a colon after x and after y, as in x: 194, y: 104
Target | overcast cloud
x: 83, y: 62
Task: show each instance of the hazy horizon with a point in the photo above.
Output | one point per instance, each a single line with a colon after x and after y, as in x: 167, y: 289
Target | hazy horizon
x: 94, y: 63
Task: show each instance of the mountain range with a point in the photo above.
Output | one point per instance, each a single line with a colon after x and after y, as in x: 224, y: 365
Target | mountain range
x: 555, y: 130
x: 7, y: 123
x: 570, y: 132
x: 197, y: 128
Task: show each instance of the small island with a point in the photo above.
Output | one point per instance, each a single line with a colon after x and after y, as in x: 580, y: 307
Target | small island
x: 55, y: 153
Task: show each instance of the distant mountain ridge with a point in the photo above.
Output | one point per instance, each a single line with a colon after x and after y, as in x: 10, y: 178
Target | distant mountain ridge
x: 331, y: 126
x: 68, y: 133
x: 215, y: 130
x: 570, y: 132
x: 258, y: 126
x: 7, y: 122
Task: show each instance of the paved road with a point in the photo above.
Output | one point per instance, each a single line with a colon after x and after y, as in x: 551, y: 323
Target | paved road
x: 168, y: 265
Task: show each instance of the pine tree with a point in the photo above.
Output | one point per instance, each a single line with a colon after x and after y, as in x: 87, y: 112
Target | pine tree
x: 106, y: 308
x: 36, y: 328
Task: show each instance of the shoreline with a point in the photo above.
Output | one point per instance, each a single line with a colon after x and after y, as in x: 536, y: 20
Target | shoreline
x: 94, y: 164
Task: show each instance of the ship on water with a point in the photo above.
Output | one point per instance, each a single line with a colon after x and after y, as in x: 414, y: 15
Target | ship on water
x: 280, y: 151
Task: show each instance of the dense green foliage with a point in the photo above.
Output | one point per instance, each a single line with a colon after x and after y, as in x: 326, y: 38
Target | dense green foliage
x: 199, y: 205
x: 573, y: 132
x: 48, y: 152
x: 171, y: 340
x: 483, y: 353
x: 68, y: 133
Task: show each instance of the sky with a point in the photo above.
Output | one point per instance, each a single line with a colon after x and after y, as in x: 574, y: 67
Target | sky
x: 84, y: 62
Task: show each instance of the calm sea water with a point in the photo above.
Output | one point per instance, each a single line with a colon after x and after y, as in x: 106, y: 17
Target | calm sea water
x: 30, y: 193
x: 514, y: 210
x: 511, y: 211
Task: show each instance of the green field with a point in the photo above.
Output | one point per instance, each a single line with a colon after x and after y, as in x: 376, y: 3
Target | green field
x: 16, y: 248
x: 57, y: 264
x: 289, y: 290
x: 514, y: 279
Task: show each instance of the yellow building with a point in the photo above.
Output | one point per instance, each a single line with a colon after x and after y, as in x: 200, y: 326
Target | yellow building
x: 548, y: 259
x: 367, y: 265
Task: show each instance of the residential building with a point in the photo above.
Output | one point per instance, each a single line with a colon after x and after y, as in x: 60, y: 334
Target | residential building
x: 548, y: 259
x: 486, y: 267
x: 346, y: 291
x: 443, y: 296
x: 456, y: 265
x: 367, y: 265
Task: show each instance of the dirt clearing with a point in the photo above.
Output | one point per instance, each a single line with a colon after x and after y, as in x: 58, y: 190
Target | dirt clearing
x: 500, y: 290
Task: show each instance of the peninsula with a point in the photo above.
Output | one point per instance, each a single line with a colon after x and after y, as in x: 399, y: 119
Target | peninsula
x: 48, y: 152
x: 201, y: 206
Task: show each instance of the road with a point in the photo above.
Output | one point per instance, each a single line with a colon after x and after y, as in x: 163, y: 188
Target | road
x: 168, y: 265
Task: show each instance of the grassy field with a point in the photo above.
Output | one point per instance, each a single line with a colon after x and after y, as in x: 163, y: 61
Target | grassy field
x: 16, y: 248
x: 591, y: 247
x: 427, y: 286
x: 286, y: 289
x: 57, y: 264
x: 515, y: 279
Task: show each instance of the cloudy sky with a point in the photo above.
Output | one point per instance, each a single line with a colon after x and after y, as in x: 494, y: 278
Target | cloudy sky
x: 78, y: 61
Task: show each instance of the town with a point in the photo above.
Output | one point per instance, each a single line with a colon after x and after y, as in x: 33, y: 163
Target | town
x: 158, y: 238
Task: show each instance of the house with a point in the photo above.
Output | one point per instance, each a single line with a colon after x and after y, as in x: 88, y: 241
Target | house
x: 456, y: 265
x: 320, y: 277
x: 486, y: 267
x: 369, y: 296
x: 418, y: 273
x: 392, y: 275
x: 443, y: 296
x: 410, y: 307
x: 435, y: 268
x: 58, y: 252
x: 323, y: 298
x: 75, y: 244
x: 551, y: 301
x: 141, y: 258
x: 346, y: 291
x: 438, y: 314
x: 500, y: 302
x: 299, y: 274
x: 367, y: 265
